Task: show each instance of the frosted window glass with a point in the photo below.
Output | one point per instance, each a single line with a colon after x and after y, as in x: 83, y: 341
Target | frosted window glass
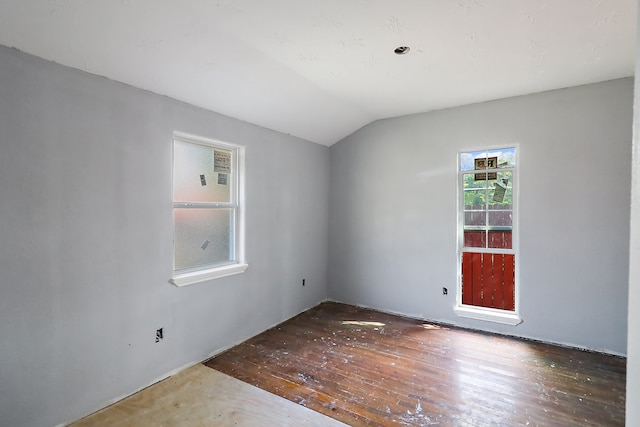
x: 202, y: 237
x: 195, y: 178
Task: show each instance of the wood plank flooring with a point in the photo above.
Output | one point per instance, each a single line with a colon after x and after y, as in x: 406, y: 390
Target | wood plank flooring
x: 363, y: 367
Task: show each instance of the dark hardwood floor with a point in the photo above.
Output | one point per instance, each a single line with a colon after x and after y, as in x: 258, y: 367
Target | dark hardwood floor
x: 363, y: 367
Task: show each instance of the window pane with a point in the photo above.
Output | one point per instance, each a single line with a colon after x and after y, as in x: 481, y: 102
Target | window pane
x: 490, y: 159
x: 475, y: 239
x: 500, y: 194
x: 500, y: 219
x: 201, y: 173
x: 475, y: 200
x: 475, y: 180
x: 488, y: 280
x: 467, y: 160
x: 506, y: 157
x: 499, y: 239
x: 202, y: 237
x: 475, y: 218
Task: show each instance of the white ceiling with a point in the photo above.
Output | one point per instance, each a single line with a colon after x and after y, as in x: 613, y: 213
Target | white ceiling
x: 321, y: 69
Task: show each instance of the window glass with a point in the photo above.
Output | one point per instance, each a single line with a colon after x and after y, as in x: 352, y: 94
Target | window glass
x: 200, y: 173
x: 486, y: 252
x: 487, y: 200
x: 202, y: 237
x: 206, y: 210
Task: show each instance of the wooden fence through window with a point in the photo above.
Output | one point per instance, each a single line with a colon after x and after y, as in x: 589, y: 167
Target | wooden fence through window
x: 488, y: 280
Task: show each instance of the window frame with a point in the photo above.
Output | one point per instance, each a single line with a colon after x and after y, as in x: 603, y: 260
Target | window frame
x: 237, y: 265
x: 496, y: 315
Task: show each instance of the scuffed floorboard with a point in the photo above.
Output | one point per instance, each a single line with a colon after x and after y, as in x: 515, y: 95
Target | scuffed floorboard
x: 200, y: 396
x: 367, y: 368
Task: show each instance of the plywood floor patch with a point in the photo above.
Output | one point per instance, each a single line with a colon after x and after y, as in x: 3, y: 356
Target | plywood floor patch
x: 200, y: 396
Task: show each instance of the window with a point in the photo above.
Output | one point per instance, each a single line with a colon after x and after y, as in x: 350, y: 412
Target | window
x: 487, y: 237
x: 207, y: 209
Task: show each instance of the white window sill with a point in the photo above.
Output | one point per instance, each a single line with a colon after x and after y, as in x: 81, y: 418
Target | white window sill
x: 193, y: 277
x: 488, y: 314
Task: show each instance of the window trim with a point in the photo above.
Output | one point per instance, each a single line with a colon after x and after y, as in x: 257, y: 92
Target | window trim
x: 190, y: 276
x: 495, y: 315
x: 489, y: 314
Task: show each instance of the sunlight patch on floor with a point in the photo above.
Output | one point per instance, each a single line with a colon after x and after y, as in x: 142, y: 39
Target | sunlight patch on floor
x: 361, y: 323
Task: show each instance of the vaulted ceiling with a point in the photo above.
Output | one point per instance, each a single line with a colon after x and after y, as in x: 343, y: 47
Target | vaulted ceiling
x: 321, y: 69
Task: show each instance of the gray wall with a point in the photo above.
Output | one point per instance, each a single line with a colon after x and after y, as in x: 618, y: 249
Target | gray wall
x: 633, y: 349
x: 86, y: 254
x: 393, y: 207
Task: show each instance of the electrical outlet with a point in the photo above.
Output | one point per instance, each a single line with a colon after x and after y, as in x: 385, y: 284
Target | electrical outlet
x: 445, y: 291
x: 159, y: 335
x: 303, y: 280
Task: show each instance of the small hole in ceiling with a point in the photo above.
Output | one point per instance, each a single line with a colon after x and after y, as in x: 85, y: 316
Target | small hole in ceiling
x: 401, y: 50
